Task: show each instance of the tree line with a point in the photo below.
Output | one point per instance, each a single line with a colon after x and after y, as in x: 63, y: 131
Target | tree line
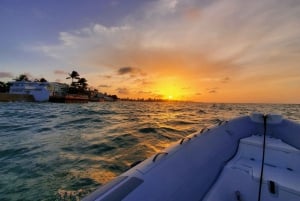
x: 78, y: 84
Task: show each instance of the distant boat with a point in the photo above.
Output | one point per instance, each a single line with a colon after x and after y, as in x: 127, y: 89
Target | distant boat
x: 249, y: 158
x: 27, y: 91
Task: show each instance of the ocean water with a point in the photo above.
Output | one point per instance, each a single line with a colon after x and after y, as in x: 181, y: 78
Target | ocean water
x: 64, y: 151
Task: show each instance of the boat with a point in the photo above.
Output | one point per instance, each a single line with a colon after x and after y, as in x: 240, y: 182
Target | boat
x: 249, y: 158
x: 28, y: 91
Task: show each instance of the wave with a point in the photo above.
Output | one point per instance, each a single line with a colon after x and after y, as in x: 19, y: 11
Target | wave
x: 148, y: 130
x: 63, y: 151
x: 95, y: 149
x: 83, y: 122
x: 11, y: 153
x: 125, y: 140
x: 201, y: 112
x: 180, y: 122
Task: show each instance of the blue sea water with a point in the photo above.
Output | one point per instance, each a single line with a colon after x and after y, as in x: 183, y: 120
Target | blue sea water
x: 64, y: 151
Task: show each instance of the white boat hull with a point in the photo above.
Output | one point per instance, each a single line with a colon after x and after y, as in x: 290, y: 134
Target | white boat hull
x: 205, y: 166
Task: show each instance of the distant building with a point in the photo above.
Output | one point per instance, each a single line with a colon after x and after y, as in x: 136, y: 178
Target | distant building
x: 60, y: 93
x: 58, y: 89
x: 39, y: 90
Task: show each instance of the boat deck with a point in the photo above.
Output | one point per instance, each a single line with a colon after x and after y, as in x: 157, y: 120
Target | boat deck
x: 239, y: 179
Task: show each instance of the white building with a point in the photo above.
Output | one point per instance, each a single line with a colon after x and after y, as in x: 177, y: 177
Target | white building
x: 39, y: 90
x: 58, y: 89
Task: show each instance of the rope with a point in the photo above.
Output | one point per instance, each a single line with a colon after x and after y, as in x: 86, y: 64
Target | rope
x: 263, y: 157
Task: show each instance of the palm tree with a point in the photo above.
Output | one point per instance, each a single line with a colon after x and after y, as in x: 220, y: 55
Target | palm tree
x: 73, y: 75
x: 82, y: 83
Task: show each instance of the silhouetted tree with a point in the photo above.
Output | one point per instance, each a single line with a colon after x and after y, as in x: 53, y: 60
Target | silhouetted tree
x: 77, y: 87
x: 73, y: 75
x: 41, y: 80
x: 22, y: 77
x: 115, y: 97
x: 2, y: 87
x: 82, y: 82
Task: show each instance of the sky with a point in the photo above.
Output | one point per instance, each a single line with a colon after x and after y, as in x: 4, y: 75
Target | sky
x: 198, y: 50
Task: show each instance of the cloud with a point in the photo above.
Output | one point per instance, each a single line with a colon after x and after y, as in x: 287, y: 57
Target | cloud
x: 212, y: 90
x: 130, y: 71
x: 125, y: 70
x: 225, y: 80
x: 104, y: 86
x: 197, y: 40
x: 144, y: 92
x: 105, y: 76
x: 6, y: 75
x: 60, y: 72
x: 222, y: 34
x: 143, y: 82
x: 123, y: 91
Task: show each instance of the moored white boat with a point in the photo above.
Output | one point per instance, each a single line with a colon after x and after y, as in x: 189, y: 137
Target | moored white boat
x: 249, y: 158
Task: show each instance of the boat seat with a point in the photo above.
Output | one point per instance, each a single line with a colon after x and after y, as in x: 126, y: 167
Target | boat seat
x: 281, y: 179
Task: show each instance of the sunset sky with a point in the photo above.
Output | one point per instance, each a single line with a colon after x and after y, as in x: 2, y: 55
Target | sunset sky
x: 200, y: 50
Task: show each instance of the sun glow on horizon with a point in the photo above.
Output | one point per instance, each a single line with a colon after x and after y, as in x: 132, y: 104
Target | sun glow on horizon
x: 171, y: 89
x: 170, y: 97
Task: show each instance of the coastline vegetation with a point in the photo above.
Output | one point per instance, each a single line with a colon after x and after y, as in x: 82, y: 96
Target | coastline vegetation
x: 78, y: 86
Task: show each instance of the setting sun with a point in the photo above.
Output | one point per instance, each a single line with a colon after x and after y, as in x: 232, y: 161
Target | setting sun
x: 170, y: 92
x: 171, y: 88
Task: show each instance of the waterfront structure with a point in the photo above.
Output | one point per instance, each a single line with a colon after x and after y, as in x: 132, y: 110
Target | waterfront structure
x: 60, y: 93
x: 7, y: 97
x: 58, y: 89
x: 38, y: 90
